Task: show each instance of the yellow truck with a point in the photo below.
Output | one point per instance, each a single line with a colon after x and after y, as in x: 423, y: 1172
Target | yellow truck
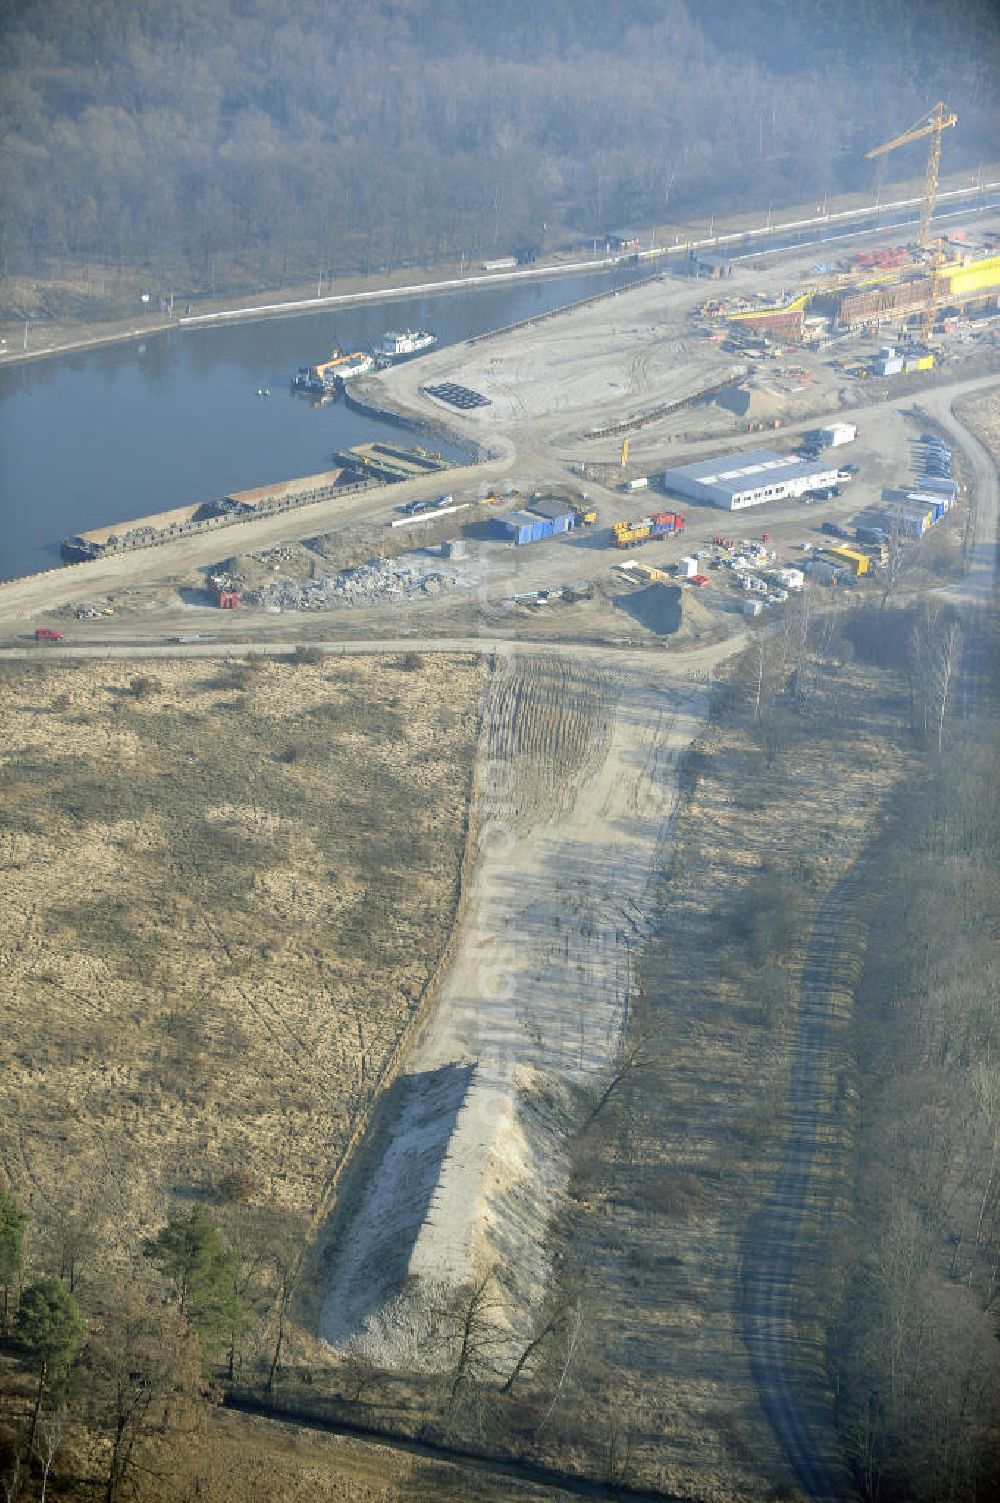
x: 659, y: 524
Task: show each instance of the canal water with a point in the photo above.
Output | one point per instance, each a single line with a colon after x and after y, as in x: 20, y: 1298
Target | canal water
x: 99, y: 437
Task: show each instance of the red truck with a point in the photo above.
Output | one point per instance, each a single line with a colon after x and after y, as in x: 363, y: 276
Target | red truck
x: 46, y: 634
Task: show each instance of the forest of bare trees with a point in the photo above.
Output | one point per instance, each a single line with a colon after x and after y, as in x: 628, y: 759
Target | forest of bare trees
x: 918, y: 1368
x: 205, y: 140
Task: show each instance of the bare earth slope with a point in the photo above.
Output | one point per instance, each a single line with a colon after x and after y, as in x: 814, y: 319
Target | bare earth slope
x: 577, y: 792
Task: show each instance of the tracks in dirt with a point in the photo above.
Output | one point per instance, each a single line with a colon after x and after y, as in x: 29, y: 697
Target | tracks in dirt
x: 802, y: 1422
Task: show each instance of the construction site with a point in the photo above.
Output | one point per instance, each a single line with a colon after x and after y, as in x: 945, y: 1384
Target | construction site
x: 558, y: 1116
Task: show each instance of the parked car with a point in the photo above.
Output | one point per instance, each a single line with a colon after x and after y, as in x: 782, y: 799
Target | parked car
x: 413, y: 508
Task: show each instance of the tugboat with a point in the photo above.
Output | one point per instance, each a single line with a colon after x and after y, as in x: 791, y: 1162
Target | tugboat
x: 399, y: 344
x: 326, y: 379
x: 317, y: 380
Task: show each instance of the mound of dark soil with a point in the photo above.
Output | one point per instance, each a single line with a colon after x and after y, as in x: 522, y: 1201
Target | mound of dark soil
x: 657, y: 607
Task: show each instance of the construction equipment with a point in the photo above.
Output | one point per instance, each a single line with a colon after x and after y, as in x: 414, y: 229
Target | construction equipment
x: 659, y: 524
x: 624, y: 451
x: 936, y: 120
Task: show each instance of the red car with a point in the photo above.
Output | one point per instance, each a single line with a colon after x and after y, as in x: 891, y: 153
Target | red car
x: 46, y: 634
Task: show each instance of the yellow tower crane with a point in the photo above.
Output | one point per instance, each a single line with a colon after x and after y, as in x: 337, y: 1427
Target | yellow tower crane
x: 936, y: 120
x: 932, y: 124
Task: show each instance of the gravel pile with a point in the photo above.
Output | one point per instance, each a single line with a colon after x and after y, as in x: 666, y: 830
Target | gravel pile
x: 373, y: 583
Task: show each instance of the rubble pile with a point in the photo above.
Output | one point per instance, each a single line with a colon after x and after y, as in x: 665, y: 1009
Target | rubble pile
x: 374, y: 583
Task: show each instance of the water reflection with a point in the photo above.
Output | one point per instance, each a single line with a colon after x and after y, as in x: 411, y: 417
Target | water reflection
x: 103, y: 435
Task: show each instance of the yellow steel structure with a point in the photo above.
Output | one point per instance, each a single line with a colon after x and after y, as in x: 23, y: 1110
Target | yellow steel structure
x: 974, y: 277
x: 937, y: 119
x: 624, y: 451
x: 802, y: 301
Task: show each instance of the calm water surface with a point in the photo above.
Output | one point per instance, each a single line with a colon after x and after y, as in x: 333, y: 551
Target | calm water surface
x: 114, y: 433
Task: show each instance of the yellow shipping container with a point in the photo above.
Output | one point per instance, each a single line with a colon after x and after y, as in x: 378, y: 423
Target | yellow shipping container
x: 859, y: 563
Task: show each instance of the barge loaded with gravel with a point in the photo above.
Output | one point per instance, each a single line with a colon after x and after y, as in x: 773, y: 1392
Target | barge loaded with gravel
x: 359, y: 469
x: 204, y: 516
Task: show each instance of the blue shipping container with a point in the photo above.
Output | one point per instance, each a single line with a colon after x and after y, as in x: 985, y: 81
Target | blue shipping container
x: 520, y: 527
x: 940, y: 483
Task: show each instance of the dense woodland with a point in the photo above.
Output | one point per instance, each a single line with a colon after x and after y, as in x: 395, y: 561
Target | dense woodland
x: 215, y: 141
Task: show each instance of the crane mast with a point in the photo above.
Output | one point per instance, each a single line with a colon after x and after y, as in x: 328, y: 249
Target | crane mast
x: 936, y: 120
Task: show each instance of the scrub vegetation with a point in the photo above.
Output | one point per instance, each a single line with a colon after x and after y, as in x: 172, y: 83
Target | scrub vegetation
x: 227, y: 886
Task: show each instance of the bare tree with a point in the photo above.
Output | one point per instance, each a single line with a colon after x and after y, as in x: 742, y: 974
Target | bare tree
x: 573, y: 1334
x: 761, y: 660
x: 944, y: 665
x: 935, y: 655
x: 289, y: 1272
x: 11, y: 1481
x: 74, y: 1241
x: 897, y: 556
x: 801, y: 618
x: 50, y: 1434
x: 637, y: 1050
x: 146, y: 1365
x: 471, y: 1326
x: 552, y: 1319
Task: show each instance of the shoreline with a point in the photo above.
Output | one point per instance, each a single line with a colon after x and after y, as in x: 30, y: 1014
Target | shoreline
x: 283, y: 303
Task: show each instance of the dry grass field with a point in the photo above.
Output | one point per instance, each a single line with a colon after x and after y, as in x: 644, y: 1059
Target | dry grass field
x: 226, y: 885
x: 982, y: 415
